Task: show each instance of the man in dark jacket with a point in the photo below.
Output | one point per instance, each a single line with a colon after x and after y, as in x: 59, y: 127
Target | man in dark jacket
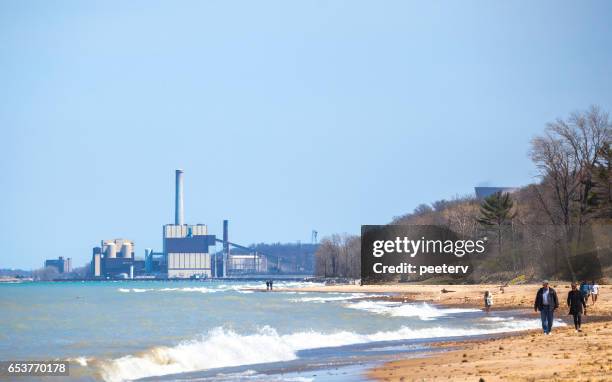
x: 576, y: 303
x: 546, y: 302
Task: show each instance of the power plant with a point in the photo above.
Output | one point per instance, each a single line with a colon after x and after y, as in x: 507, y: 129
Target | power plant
x: 186, y: 252
x: 115, y: 258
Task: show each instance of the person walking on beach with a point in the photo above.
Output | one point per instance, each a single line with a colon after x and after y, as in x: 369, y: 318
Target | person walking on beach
x: 577, y: 304
x: 594, y: 291
x: 546, y: 302
x: 585, y: 289
x: 267, y: 285
x: 271, y: 284
x: 488, y: 301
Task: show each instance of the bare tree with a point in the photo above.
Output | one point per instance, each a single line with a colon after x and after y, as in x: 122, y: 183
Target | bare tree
x: 339, y: 256
x: 45, y: 274
x: 566, y: 157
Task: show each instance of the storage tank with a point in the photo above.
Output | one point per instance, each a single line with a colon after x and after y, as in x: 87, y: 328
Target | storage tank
x: 126, y: 250
x: 111, y: 250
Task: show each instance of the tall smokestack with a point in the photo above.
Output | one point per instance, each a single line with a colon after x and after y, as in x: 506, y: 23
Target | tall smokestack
x: 225, y: 256
x: 225, y: 238
x: 178, y: 208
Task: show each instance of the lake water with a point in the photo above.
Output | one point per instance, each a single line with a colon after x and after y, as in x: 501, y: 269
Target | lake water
x: 213, y: 330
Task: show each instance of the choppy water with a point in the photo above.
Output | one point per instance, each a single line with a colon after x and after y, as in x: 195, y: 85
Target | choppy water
x: 212, y: 330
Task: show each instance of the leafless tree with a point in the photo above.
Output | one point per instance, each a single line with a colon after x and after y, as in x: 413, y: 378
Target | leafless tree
x: 45, y: 274
x: 339, y: 256
x: 566, y: 156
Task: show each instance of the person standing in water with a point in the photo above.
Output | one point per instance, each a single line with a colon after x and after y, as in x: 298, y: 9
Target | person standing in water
x: 546, y: 302
x: 577, y: 304
x: 488, y: 301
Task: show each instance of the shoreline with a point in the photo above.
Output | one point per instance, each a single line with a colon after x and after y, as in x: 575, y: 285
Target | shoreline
x: 566, y: 355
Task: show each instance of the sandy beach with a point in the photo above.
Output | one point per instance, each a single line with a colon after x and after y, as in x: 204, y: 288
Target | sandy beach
x: 523, y: 356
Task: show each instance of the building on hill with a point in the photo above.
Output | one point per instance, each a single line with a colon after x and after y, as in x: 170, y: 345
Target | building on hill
x: 484, y: 192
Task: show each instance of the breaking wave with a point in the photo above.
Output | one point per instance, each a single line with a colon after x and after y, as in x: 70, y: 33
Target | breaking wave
x: 215, y: 288
x: 423, y: 310
x: 497, y: 318
x: 225, y: 348
x: 333, y: 297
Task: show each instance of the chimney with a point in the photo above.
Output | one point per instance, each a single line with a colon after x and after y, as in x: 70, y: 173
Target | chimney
x: 225, y: 238
x: 178, y: 208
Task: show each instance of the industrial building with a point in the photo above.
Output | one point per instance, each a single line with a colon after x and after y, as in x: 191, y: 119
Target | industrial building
x: 247, y: 264
x: 186, y: 252
x: 115, y: 259
x: 186, y: 247
x: 62, y: 265
x: 155, y: 263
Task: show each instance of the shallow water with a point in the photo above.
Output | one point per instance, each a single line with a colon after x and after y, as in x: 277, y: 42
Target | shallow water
x: 212, y: 330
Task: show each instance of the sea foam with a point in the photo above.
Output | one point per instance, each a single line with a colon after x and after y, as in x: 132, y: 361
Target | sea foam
x: 225, y: 348
x: 423, y: 310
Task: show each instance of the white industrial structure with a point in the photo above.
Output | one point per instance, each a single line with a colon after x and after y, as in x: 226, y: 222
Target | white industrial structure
x: 186, y: 249
x: 123, y: 247
x: 247, y: 264
x: 186, y: 246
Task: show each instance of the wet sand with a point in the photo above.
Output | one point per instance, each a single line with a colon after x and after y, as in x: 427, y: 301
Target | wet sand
x: 525, y: 356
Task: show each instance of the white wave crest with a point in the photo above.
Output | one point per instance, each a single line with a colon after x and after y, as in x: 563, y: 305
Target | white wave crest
x: 497, y: 318
x: 423, y: 310
x: 225, y: 348
x: 184, y: 289
x: 335, y: 297
x: 81, y: 361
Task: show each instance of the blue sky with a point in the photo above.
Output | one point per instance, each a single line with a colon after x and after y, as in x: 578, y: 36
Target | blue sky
x: 286, y: 116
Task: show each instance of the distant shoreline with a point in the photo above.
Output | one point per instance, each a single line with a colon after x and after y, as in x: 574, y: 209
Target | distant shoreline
x: 254, y: 278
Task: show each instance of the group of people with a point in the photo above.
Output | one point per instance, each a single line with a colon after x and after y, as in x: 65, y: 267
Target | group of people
x: 546, y: 303
x: 591, y: 290
x: 269, y: 284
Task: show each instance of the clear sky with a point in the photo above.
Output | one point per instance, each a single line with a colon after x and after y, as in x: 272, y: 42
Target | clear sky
x: 286, y: 116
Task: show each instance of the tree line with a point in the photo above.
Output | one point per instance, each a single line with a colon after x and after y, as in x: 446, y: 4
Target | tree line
x: 557, y: 227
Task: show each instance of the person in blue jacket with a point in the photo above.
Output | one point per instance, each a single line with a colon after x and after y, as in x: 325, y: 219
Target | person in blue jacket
x: 585, y: 289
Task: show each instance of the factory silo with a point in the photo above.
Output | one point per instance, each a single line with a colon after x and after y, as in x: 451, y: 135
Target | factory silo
x: 126, y: 250
x: 111, y: 251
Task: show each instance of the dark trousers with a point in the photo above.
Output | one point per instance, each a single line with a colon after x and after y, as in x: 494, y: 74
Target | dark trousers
x: 546, y: 314
x: 577, y: 320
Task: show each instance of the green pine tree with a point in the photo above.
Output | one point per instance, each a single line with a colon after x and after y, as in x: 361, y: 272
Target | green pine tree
x: 497, y: 211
